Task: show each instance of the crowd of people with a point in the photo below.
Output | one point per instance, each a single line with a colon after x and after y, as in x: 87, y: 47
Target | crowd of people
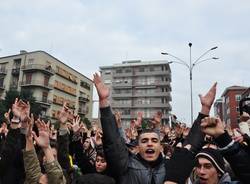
x: 33, y: 151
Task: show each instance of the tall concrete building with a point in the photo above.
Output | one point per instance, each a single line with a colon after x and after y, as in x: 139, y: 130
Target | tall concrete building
x: 139, y: 86
x: 51, y: 81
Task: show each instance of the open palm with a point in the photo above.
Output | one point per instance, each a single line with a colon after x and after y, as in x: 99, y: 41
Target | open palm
x: 208, y: 99
x: 102, y: 89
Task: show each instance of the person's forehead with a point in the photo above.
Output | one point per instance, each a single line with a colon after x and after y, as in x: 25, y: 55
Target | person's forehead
x: 149, y: 135
x: 202, y: 160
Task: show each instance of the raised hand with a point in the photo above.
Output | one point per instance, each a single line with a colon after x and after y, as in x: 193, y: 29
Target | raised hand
x: 212, y: 126
x: 102, y: 90
x: 157, y: 119
x: 7, y: 115
x: 21, y: 109
x: 63, y: 114
x: 3, y: 129
x: 138, y: 121
x: 76, y: 126
x: 208, y: 99
x: 98, y: 137
x: 43, y: 139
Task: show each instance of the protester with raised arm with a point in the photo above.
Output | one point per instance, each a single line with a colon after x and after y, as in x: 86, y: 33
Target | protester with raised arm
x: 237, y: 157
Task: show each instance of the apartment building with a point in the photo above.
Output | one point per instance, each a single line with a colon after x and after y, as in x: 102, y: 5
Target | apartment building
x: 51, y: 81
x: 227, y: 106
x: 139, y: 86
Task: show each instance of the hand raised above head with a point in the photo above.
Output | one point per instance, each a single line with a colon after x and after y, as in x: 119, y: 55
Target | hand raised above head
x: 43, y: 139
x: 21, y: 109
x: 208, y: 99
x: 102, y: 90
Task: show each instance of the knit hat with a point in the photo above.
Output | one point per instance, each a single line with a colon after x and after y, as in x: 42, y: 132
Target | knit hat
x: 214, y: 157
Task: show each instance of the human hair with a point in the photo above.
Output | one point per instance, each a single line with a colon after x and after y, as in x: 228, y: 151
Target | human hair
x: 148, y: 131
x: 100, y: 153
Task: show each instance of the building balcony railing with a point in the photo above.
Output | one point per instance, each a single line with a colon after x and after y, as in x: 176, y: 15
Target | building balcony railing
x: 152, y: 105
x: 83, y: 99
x: 119, y: 105
x: 151, y: 73
x: 44, y: 68
x: 15, y: 71
x: 36, y: 83
x: 121, y: 95
x: 3, y: 71
x: 128, y: 74
x: 122, y: 85
x: 153, y: 83
x: 83, y: 111
x: 44, y: 101
x: 155, y: 94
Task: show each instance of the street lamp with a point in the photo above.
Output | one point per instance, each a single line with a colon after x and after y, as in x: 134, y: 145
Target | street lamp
x: 190, y: 67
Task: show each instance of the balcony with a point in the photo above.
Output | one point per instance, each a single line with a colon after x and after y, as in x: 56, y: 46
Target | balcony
x: 38, y: 67
x: 43, y: 101
x: 155, y: 94
x: 152, y: 105
x: 120, y: 105
x: 121, y: 95
x: 36, y: 83
x: 126, y: 74
x: 153, y: 73
x: 3, y: 71
x: 122, y: 85
x: 83, y: 111
x: 15, y: 71
x: 83, y: 99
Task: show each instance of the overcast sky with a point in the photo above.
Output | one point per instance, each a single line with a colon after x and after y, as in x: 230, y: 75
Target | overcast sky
x: 86, y: 34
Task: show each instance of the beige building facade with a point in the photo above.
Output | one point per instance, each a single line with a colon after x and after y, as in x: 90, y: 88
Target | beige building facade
x: 51, y: 81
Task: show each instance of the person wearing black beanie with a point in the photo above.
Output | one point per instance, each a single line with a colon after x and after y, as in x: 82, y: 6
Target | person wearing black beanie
x: 210, y: 168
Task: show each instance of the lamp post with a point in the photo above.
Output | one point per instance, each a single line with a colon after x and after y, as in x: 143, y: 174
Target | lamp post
x: 190, y: 67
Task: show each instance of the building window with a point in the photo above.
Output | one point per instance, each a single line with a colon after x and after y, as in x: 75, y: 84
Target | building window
x: 28, y: 78
x: 45, y: 96
x: 46, y: 80
x: 118, y: 71
x: 151, y: 69
x: 237, y: 97
x: 128, y: 70
x: 141, y: 69
x: 17, y: 63
x: 126, y: 111
x: 237, y: 109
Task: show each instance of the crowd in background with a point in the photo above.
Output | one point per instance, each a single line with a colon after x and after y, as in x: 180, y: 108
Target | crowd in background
x: 34, y: 151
